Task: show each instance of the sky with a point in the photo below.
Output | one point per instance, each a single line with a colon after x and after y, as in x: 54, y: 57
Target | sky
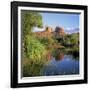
x: 66, y: 20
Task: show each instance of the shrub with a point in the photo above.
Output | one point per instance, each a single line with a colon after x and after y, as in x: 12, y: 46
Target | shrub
x: 35, y: 50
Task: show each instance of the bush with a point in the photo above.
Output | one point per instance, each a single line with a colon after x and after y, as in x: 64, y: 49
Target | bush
x: 31, y: 69
x: 34, y: 49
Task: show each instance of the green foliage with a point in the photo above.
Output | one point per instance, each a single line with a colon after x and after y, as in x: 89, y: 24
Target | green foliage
x: 30, y: 19
x: 35, y: 50
x: 70, y: 40
x: 47, y: 41
x: 74, y: 38
x: 32, y: 68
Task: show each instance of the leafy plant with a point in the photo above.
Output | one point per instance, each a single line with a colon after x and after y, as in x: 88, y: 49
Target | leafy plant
x: 31, y: 45
x: 35, y: 50
x: 30, y: 20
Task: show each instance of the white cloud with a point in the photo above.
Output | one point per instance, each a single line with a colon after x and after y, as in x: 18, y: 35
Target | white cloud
x: 72, y: 30
x: 38, y: 29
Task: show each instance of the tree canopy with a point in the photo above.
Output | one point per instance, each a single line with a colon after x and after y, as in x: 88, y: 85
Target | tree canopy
x: 31, y: 19
x: 31, y: 45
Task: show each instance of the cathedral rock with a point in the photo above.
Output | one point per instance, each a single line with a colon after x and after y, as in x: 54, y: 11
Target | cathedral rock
x: 49, y: 32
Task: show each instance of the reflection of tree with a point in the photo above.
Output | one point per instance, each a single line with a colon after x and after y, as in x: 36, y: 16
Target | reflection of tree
x: 30, y: 68
x: 75, y: 55
x: 73, y: 51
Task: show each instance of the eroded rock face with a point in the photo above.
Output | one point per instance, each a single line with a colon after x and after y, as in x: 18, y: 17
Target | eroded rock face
x: 48, y: 29
x: 48, y: 32
x: 59, y: 30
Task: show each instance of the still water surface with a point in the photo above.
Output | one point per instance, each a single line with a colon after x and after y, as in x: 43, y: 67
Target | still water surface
x: 57, y: 63
x: 63, y: 66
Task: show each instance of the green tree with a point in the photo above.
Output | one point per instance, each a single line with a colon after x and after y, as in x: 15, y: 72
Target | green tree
x: 30, y: 19
x: 74, y: 38
x: 71, y: 39
x: 35, y: 49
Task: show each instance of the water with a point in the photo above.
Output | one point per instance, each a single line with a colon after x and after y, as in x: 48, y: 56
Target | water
x: 58, y: 62
x: 64, y: 66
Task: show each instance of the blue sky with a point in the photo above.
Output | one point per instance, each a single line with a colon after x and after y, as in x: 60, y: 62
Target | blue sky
x: 65, y: 20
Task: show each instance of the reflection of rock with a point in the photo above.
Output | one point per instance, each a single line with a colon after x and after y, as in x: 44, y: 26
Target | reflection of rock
x: 49, y: 56
x: 59, y: 56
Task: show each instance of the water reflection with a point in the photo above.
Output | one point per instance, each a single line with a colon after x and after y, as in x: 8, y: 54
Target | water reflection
x: 65, y: 66
x: 49, y: 56
x: 57, y: 62
x: 61, y: 64
x: 59, y: 56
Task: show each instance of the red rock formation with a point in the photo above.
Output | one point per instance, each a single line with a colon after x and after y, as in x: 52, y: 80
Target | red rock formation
x: 48, y: 32
x: 59, y: 31
x: 49, y: 29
